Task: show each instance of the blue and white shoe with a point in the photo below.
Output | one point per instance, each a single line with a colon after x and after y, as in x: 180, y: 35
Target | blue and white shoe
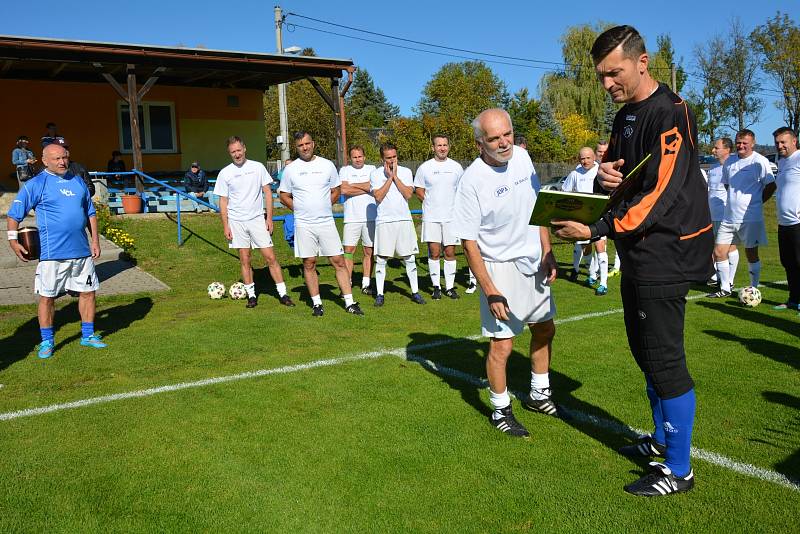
x: 600, y: 291
x: 93, y: 341
x: 591, y: 282
x: 46, y: 348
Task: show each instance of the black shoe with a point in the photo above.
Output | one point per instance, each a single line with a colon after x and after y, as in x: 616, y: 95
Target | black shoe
x: 286, y: 300
x: 573, y: 276
x: 317, y: 310
x: 509, y: 424
x: 437, y: 293
x: 355, y: 309
x: 452, y: 293
x: 378, y: 301
x: 545, y: 406
x: 252, y: 302
x: 646, y: 446
x: 660, y: 481
x: 368, y: 291
x: 417, y: 298
x: 719, y: 294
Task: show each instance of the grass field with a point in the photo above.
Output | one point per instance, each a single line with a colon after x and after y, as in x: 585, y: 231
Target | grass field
x: 376, y: 423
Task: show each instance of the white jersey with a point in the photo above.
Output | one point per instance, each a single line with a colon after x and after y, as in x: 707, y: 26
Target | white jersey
x: 310, y: 184
x: 717, y: 194
x: 746, y: 179
x: 493, y: 206
x: 358, y: 208
x: 394, y: 206
x: 788, y: 195
x: 243, y: 188
x: 581, y: 180
x: 440, y: 180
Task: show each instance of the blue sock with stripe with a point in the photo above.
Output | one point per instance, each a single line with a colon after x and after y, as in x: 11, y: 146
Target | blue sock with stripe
x: 87, y: 329
x: 658, y: 414
x: 48, y: 333
x: 678, y: 423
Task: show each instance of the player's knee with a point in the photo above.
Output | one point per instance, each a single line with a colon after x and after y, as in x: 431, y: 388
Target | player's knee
x: 544, y: 332
x: 500, y: 349
x: 309, y: 264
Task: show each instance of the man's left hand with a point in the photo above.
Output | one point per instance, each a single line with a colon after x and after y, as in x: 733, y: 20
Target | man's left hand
x: 95, y: 250
x: 550, y: 267
x: 269, y: 226
x: 571, y: 230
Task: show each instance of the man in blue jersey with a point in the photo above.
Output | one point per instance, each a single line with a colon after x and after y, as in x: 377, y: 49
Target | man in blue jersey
x: 63, y: 211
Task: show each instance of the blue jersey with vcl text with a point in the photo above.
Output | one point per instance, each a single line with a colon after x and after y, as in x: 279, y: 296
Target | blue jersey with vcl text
x: 63, y: 207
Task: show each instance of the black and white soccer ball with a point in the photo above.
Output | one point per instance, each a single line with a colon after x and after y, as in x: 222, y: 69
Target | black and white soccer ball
x: 750, y: 296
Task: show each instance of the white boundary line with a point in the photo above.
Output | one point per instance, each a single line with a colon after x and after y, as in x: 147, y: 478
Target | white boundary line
x: 408, y: 353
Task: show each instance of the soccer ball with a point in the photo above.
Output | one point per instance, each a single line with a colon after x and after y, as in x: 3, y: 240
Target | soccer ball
x: 750, y: 296
x: 216, y: 290
x: 237, y: 291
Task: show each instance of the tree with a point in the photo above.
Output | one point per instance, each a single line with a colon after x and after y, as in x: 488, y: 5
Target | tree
x: 739, y: 84
x: 661, y: 63
x: 609, y: 113
x: 576, y: 134
x: 524, y: 111
x: 709, y: 112
x: 463, y: 90
x: 777, y: 43
x: 367, y: 106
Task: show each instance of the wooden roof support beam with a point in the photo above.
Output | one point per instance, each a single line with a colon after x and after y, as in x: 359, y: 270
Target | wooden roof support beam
x: 56, y: 71
x: 150, y: 82
x: 6, y: 66
x: 110, y: 79
x: 325, y: 96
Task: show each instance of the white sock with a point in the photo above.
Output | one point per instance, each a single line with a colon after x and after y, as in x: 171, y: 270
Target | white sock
x: 593, y: 266
x: 540, y: 386
x: 411, y: 271
x: 733, y: 263
x: 723, y: 275
x: 616, y: 261
x: 602, y: 260
x: 251, y: 290
x: 577, y: 256
x: 316, y: 300
x: 755, y: 273
x: 449, y: 273
x: 281, y: 287
x: 499, y: 401
x: 365, y: 281
x: 348, y: 299
x: 380, y: 274
x: 433, y: 268
x: 472, y: 280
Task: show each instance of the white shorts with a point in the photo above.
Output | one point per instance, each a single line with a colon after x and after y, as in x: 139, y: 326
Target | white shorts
x: 54, y: 277
x: 250, y: 234
x: 317, y: 240
x: 439, y: 232
x: 353, y: 231
x: 396, y: 237
x: 528, y: 298
x: 750, y: 234
x: 716, y: 228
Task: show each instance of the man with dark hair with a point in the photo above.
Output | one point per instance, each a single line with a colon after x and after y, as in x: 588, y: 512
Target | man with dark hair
x: 718, y: 198
x: 195, y: 183
x: 359, y: 215
x: 520, y: 141
x: 52, y: 136
x: 435, y: 185
x: 788, y: 208
x: 392, y: 186
x: 309, y: 187
x: 663, y: 231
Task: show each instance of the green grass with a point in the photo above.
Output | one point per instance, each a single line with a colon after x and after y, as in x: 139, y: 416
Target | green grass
x: 383, y: 444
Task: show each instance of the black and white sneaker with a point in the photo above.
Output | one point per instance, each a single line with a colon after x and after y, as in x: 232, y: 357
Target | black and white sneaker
x: 368, y: 291
x: 317, y: 310
x: 471, y: 288
x: 545, y: 405
x: 451, y: 293
x: 252, y: 302
x: 660, y: 481
x: 436, y: 294
x: 719, y: 294
x: 646, y: 446
x: 355, y: 309
x: 508, y: 424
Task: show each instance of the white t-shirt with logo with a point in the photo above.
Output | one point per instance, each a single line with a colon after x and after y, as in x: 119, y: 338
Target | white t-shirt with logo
x: 440, y: 180
x: 493, y: 207
x: 746, y: 179
x: 717, y: 194
x: 358, y: 208
x: 243, y: 188
x: 581, y: 180
x: 310, y: 184
x: 394, y: 206
x: 788, y: 195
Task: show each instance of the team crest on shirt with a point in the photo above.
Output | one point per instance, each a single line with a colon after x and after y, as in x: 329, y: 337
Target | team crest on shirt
x: 501, y: 191
x: 628, y: 131
x: 630, y: 118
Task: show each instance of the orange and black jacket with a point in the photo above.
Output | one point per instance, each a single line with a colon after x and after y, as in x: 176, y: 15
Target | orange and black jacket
x: 662, y: 227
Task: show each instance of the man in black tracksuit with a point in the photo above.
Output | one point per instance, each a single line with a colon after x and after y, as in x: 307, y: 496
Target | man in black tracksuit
x: 662, y: 230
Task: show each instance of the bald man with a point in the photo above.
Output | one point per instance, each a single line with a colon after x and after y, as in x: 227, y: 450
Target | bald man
x: 64, y: 210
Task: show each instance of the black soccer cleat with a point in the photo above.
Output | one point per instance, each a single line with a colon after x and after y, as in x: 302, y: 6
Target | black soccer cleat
x: 508, y: 424
x: 355, y: 309
x: 317, y: 310
x: 660, y: 481
x: 286, y: 300
x: 452, y: 293
x: 252, y: 302
x: 417, y: 299
x: 645, y: 447
x: 573, y: 275
x: 545, y: 406
x: 719, y: 294
x: 378, y: 300
x: 436, y: 294
x: 368, y: 291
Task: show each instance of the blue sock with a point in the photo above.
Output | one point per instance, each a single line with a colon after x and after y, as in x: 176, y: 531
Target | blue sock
x: 658, y: 414
x: 48, y: 333
x: 87, y: 329
x: 678, y: 422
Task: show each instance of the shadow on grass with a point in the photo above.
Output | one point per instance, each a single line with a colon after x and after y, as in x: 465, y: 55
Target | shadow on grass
x: 193, y: 234
x: 789, y: 467
x: 779, y: 352
x: 19, y: 344
x: 788, y: 325
x: 110, y: 269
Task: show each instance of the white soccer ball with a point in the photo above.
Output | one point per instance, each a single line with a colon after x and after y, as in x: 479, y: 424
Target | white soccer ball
x: 216, y: 290
x: 237, y: 291
x: 750, y: 296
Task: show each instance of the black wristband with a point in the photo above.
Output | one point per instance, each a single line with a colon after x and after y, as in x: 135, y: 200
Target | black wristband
x: 593, y: 231
x: 496, y: 299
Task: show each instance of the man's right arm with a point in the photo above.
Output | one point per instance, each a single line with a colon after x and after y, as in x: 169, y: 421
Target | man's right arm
x: 287, y: 200
x: 223, y: 212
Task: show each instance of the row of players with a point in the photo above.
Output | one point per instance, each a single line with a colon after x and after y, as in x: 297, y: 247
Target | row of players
x: 376, y: 213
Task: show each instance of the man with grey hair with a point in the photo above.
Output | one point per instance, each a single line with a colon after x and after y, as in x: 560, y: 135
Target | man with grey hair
x: 512, y: 261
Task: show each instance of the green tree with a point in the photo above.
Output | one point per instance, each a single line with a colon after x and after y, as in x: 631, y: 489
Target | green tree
x: 661, y: 62
x: 709, y: 110
x: 367, y: 106
x: 777, y: 43
x: 462, y: 90
x: 739, y: 83
x: 524, y: 111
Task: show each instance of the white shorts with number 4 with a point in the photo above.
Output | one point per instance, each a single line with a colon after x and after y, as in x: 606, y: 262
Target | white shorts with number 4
x: 54, y: 277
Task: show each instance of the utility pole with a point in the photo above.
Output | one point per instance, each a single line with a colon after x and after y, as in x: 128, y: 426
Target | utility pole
x: 282, y: 113
x: 674, y: 82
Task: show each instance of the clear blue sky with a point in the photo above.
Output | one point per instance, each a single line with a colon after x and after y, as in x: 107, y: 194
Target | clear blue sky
x: 522, y: 29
